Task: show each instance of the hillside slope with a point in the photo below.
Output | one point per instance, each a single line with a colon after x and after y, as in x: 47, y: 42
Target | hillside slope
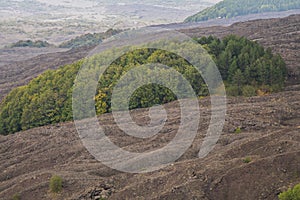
x: 270, y: 138
x: 233, y: 8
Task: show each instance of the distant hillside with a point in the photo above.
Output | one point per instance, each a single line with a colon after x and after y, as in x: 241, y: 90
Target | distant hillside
x: 89, y: 39
x: 30, y: 43
x: 233, y: 8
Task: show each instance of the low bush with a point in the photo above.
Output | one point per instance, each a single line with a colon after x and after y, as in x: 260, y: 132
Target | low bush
x: 55, y: 184
x: 247, y: 160
x: 238, y: 130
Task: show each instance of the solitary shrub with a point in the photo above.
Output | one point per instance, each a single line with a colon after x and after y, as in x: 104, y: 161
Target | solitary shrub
x: 291, y: 194
x: 55, y: 184
x: 16, y: 196
x: 238, y: 130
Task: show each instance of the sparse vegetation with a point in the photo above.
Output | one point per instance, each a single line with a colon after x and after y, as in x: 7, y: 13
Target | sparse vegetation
x: 55, y: 184
x: 291, y: 194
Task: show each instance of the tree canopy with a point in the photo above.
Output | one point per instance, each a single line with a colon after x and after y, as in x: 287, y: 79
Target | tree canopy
x: 233, y: 8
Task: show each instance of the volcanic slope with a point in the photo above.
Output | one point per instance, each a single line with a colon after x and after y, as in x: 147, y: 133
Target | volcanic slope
x: 257, y: 163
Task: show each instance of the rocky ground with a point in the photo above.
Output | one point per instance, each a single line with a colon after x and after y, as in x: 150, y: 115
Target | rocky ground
x: 269, y: 138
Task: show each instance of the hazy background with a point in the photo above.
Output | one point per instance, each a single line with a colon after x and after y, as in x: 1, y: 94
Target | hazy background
x: 57, y: 21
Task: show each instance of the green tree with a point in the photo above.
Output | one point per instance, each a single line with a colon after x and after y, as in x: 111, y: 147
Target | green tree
x: 238, y: 79
x: 291, y: 194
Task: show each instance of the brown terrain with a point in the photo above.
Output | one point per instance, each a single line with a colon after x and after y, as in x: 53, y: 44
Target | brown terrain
x: 269, y: 138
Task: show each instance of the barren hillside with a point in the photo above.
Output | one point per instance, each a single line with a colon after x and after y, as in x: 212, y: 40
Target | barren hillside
x: 270, y: 138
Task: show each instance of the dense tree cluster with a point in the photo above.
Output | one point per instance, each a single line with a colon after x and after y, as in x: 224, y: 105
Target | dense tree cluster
x: 244, y: 65
x: 89, y: 39
x: 30, y: 43
x: 233, y: 8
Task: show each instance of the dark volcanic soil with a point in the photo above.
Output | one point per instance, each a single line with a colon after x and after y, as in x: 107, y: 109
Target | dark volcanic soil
x: 270, y: 137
